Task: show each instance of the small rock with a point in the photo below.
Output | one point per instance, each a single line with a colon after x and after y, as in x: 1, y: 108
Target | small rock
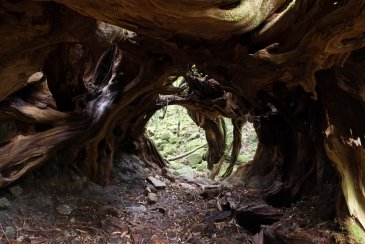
x: 152, y: 188
x: 195, y: 159
x: 148, y: 190
x: 20, y: 239
x: 69, y: 233
x: 187, y: 186
x: 187, y: 178
x: 167, y: 181
x: 152, y: 198
x: 156, y: 183
x: 4, y: 203
x: 64, y: 209
x: 72, y: 220
x: 10, y: 232
x: 168, y: 175
x: 16, y: 190
x: 202, y: 182
x: 175, y: 173
x: 140, y: 208
x: 166, y: 136
x: 186, y: 171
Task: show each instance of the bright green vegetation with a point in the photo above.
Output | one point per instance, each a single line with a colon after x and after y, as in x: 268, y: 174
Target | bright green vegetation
x: 356, y: 233
x: 175, y: 134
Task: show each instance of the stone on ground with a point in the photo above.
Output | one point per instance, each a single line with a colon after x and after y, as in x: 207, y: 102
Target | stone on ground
x: 168, y: 174
x: 152, y: 198
x: 186, y: 186
x: 139, y: 208
x: 195, y: 159
x: 156, y: 183
x: 4, y: 203
x: 150, y: 188
x: 166, y: 136
x: 185, y: 171
x: 64, y: 209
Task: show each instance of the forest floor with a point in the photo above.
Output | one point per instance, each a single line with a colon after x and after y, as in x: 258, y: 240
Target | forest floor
x: 68, y: 209
x: 62, y: 207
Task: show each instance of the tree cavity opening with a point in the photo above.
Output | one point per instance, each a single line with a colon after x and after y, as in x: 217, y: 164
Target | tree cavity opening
x: 185, y: 145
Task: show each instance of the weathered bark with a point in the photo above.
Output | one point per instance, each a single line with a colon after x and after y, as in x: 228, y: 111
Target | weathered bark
x: 159, y: 18
x: 206, y: 101
x: 81, y: 111
x: 298, y: 64
x: 215, y: 134
x: 345, y: 135
x: 290, y: 160
x: 236, y: 144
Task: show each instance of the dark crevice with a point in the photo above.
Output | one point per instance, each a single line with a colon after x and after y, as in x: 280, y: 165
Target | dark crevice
x: 102, y: 145
x: 42, y: 127
x: 252, y: 222
x: 229, y: 6
x: 279, y: 199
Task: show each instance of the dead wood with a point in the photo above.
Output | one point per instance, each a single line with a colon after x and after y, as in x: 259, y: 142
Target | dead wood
x: 74, y: 83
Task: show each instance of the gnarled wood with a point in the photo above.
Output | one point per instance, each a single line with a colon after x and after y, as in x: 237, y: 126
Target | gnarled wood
x: 169, y: 19
x: 296, y: 66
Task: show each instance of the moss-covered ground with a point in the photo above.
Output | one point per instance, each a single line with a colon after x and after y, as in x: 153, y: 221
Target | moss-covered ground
x: 175, y: 134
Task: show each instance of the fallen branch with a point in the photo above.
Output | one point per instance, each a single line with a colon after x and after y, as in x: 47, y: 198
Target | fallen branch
x: 186, y: 154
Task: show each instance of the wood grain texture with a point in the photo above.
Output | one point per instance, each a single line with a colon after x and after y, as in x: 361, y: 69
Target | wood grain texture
x: 293, y: 68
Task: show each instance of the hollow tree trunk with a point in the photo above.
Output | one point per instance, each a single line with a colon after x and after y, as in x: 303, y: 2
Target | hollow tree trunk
x: 345, y: 134
x: 290, y: 160
x: 297, y: 64
x: 85, y: 105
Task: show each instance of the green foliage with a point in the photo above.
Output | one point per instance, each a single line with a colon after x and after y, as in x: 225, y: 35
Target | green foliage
x: 169, y: 150
x: 194, y: 71
x: 356, y: 233
x: 165, y: 136
x: 244, y: 158
x: 175, y: 165
x: 164, y: 132
x: 174, y: 140
x: 193, y: 144
x: 194, y: 159
x: 253, y: 138
x: 178, y: 82
x: 202, y: 167
x: 160, y: 143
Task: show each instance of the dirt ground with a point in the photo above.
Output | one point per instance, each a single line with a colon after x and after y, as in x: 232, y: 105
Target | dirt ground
x: 69, y: 209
